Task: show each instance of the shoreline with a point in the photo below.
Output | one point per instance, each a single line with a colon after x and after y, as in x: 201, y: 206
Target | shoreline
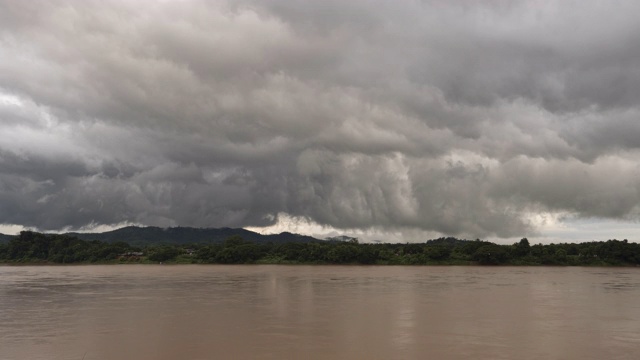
x: 470, y: 264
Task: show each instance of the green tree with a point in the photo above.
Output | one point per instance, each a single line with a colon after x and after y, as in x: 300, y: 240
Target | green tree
x: 522, y: 248
x: 232, y: 241
x: 3, y: 252
x: 368, y: 254
x: 491, y: 255
x: 163, y: 253
x: 437, y: 252
x: 343, y: 253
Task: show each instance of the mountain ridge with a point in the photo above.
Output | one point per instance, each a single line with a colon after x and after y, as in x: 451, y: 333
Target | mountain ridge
x: 151, y: 235
x: 5, y: 238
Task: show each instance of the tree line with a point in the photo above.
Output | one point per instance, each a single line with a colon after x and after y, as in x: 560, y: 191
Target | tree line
x: 34, y: 247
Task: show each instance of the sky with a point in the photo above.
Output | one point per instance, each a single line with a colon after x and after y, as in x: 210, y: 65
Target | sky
x: 388, y: 120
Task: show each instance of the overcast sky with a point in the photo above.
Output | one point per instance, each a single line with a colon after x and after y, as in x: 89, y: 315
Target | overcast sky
x: 400, y: 120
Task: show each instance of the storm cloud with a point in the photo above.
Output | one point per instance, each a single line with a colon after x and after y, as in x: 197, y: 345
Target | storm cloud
x: 465, y: 118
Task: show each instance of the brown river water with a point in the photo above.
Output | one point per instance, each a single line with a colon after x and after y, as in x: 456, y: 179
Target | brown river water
x: 318, y: 312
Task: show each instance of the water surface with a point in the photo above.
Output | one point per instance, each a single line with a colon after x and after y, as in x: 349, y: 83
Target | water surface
x: 318, y: 312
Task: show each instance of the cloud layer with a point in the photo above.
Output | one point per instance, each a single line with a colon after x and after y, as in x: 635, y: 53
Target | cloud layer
x: 462, y: 118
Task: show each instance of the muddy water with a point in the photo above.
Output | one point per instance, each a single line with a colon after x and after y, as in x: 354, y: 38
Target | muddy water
x: 318, y: 312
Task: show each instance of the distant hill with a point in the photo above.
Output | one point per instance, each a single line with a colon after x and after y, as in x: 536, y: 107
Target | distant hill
x: 5, y: 238
x: 448, y: 241
x: 341, y: 238
x: 140, y: 236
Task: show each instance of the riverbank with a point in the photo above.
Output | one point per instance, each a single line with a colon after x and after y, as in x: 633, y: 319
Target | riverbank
x: 36, y: 248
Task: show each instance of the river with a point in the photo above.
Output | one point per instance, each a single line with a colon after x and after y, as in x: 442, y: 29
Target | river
x: 318, y: 312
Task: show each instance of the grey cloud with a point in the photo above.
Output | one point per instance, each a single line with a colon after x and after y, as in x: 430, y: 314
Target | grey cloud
x: 608, y: 188
x: 461, y: 118
x: 600, y: 132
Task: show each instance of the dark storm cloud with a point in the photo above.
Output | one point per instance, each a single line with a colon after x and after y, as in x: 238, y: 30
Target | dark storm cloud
x: 463, y: 118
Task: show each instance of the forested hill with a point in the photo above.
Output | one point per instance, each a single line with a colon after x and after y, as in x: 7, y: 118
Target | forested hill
x: 5, y: 238
x: 141, y: 236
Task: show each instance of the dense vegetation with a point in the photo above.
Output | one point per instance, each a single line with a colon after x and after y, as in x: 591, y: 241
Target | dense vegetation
x: 33, y: 247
